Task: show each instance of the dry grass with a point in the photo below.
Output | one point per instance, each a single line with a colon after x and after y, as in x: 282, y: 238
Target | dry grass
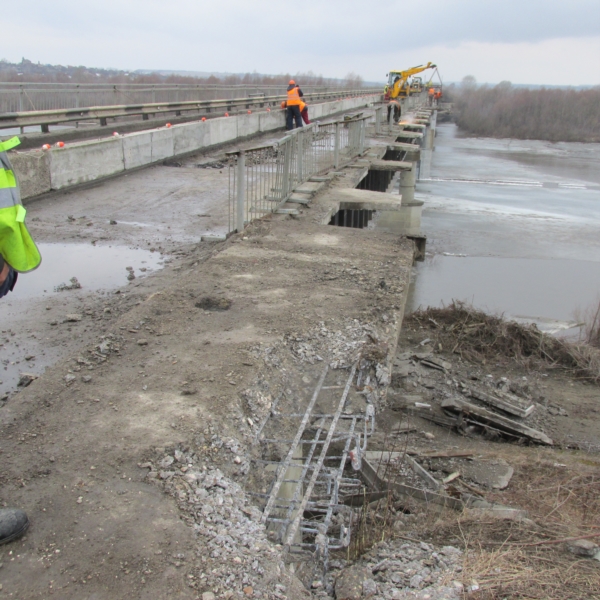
x: 528, y: 559
x: 477, y: 337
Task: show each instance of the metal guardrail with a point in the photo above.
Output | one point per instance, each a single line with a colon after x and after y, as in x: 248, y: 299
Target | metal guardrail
x: 21, y: 97
x: 263, y: 178
x: 45, y: 118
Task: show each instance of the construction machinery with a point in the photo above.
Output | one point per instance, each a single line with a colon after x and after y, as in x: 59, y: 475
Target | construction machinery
x: 398, y: 85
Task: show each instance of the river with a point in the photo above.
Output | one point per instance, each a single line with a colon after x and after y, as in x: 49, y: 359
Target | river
x: 513, y: 227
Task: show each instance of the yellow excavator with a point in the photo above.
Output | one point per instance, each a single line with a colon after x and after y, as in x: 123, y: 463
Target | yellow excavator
x: 398, y: 85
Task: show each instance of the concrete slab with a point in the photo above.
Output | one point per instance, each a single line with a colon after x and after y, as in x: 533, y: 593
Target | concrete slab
x: 391, y: 165
x: 403, y: 147
x: 310, y: 187
x: 300, y: 198
x: 364, y: 199
x: 408, y: 135
x: 137, y: 149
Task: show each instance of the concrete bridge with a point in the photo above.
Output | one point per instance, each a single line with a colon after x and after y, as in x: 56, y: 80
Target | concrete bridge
x: 147, y: 416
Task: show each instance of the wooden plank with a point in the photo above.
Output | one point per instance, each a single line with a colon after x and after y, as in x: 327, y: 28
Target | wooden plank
x: 499, y: 422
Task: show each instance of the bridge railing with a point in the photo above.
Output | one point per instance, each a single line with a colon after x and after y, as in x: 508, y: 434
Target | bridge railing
x: 22, y: 97
x: 45, y: 118
x: 263, y: 178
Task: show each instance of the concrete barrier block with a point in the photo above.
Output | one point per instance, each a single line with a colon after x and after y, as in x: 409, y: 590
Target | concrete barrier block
x: 87, y: 161
x: 248, y: 125
x: 270, y: 121
x: 162, y: 144
x: 222, y: 130
x: 137, y: 149
x: 189, y: 137
x: 33, y: 172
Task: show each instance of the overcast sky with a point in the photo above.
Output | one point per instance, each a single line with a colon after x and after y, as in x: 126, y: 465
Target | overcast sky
x: 523, y: 41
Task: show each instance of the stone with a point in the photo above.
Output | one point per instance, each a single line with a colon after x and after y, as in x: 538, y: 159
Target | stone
x: 349, y: 584
x: 208, y: 596
x: 73, y: 318
x: 248, y: 590
x: 369, y: 588
x: 70, y: 378
x: 26, y: 378
x: 142, y: 342
x: 585, y: 548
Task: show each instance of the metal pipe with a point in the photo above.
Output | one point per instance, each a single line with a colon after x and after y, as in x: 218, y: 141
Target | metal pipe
x: 241, y: 191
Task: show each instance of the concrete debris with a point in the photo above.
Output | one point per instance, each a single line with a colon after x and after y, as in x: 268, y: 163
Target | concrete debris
x: 469, y: 413
x: 395, y: 570
x: 237, y: 558
x: 73, y: 318
x: 340, y: 348
x: 505, y: 402
x: 73, y: 285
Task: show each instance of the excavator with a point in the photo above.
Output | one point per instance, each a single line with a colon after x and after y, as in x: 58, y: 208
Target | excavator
x: 398, y: 85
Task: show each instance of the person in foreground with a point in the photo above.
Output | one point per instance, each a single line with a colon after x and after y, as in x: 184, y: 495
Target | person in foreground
x: 18, y: 254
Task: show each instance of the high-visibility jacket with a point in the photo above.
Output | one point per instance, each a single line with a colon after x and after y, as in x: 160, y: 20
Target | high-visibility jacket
x: 431, y: 91
x: 16, y: 245
x: 293, y: 96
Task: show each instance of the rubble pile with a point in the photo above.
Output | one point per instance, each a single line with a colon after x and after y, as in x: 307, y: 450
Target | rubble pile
x: 236, y: 558
x: 340, y: 348
x: 396, y: 569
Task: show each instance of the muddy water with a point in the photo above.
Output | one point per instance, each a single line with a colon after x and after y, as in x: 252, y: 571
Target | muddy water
x: 513, y: 226
x: 95, y: 267
x: 33, y: 329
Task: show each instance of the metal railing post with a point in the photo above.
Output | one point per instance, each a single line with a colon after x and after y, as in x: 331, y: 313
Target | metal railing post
x: 378, y: 120
x: 241, y: 191
x: 287, y: 161
x: 299, y: 151
x: 336, y: 148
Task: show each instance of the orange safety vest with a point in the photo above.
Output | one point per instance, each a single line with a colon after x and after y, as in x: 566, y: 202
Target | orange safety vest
x: 293, y: 97
x: 431, y: 91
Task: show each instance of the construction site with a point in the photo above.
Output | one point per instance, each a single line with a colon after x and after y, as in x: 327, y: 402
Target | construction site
x: 212, y: 386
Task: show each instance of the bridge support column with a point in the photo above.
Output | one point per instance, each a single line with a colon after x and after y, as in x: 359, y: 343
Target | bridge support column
x: 408, y: 180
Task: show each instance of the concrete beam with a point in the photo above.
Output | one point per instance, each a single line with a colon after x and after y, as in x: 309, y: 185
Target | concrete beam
x: 391, y: 165
x: 408, y: 135
x: 349, y: 198
x: 399, y: 146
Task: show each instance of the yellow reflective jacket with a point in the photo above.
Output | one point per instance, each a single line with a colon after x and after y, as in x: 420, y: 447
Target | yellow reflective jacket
x: 16, y: 245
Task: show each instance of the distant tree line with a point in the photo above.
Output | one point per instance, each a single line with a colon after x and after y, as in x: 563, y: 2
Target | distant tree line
x: 506, y: 111
x: 28, y: 71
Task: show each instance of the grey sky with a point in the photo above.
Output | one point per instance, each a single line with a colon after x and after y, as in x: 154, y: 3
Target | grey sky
x: 526, y: 41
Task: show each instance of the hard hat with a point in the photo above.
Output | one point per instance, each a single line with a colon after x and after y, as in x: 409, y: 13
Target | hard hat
x: 292, y: 82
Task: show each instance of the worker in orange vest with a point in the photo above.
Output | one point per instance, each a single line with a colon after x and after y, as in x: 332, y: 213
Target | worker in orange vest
x: 294, y: 95
x: 431, y: 94
x: 303, y: 111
